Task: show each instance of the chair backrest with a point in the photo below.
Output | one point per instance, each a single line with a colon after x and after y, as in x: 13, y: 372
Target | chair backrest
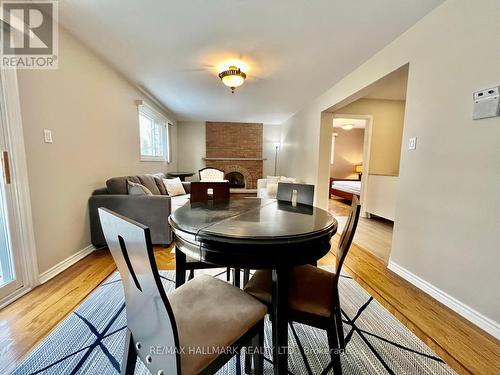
x: 150, y: 318
x: 200, y: 191
x: 210, y: 174
x: 304, y: 193
x: 347, y: 234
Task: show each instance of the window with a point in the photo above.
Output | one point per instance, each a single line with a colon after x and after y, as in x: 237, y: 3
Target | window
x: 154, y: 134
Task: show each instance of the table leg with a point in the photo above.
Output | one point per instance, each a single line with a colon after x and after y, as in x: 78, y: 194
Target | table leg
x: 280, y: 320
x: 180, y: 268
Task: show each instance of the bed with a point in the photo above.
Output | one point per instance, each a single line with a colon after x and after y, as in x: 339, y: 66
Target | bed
x: 344, y: 188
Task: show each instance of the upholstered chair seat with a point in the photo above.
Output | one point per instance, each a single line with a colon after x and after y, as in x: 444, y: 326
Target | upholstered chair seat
x: 301, y: 299
x: 203, y: 322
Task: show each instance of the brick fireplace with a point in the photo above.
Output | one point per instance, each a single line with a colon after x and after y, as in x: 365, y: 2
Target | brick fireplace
x: 236, y: 148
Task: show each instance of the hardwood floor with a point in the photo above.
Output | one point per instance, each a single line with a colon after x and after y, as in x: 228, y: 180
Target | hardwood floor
x: 32, y: 317
x: 373, y: 235
x: 464, y: 347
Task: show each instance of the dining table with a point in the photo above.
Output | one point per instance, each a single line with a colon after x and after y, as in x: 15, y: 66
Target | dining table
x: 255, y: 233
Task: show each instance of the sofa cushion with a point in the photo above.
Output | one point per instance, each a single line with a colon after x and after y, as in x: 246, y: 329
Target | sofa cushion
x: 158, y: 177
x: 149, y: 182
x: 118, y: 185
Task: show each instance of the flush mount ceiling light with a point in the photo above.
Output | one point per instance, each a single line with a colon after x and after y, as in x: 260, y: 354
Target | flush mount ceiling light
x: 233, y: 77
x: 347, y: 126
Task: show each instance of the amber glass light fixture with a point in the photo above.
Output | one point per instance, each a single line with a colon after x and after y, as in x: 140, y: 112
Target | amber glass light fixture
x: 233, y: 77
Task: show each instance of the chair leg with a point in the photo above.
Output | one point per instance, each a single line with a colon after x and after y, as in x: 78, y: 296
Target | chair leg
x: 258, y: 350
x: 236, y: 277
x: 334, y: 351
x: 129, y: 355
x: 180, y: 268
x: 340, y: 328
x: 191, y: 274
x: 246, y: 276
x: 248, y: 359
x: 228, y: 274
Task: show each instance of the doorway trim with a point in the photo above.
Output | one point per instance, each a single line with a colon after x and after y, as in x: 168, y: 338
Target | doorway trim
x: 23, y: 235
x: 367, y: 143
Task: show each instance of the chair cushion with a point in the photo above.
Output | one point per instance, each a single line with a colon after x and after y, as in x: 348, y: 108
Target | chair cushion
x: 311, y: 289
x: 211, y: 313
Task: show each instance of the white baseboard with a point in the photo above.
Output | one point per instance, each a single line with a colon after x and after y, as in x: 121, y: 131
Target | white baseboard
x: 13, y: 296
x: 66, y: 263
x: 475, y: 317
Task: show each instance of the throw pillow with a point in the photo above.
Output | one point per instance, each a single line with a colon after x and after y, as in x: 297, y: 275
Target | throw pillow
x: 134, y: 188
x: 174, y: 186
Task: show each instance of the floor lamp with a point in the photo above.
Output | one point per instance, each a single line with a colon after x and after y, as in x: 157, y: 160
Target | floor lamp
x: 276, y: 147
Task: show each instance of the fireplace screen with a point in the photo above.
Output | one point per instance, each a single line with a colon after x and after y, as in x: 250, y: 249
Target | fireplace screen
x: 236, y: 179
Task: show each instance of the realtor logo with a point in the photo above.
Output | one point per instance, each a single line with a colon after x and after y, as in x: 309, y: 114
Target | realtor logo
x: 30, y: 34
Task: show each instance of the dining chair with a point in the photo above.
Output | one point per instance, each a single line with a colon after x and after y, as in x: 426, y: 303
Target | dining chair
x: 200, y: 193
x: 211, y: 174
x: 171, y: 334
x: 205, y: 191
x: 304, y: 193
x: 314, y: 295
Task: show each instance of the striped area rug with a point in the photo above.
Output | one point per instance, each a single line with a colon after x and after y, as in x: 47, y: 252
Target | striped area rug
x: 91, y: 339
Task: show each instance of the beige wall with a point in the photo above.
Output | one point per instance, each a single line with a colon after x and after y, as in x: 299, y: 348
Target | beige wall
x: 448, y: 204
x: 192, y: 147
x: 92, y: 113
x: 348, y: 152
x: 387, y: 132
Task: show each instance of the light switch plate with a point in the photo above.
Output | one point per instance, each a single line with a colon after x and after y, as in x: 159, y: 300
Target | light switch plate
x: 412, y: 143
x: 47, y: 136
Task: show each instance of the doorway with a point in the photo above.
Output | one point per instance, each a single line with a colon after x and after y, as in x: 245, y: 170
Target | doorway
x: 379, y: 109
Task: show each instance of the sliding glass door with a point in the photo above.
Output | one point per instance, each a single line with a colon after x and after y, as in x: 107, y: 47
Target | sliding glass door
x: 9, y: 279
x: 11, y: 271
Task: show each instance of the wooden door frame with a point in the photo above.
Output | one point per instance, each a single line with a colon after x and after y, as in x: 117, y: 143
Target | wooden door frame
x: 367, y: 143
x: 23, y: 236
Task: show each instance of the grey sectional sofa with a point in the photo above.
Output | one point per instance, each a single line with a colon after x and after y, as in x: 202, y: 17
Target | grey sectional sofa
x: 151, y: 210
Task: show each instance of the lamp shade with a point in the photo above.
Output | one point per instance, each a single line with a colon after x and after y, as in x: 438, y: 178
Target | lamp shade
x: 358, y: 168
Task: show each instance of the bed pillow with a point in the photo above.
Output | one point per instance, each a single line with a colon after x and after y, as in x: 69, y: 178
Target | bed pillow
x: 174, y: 186
x: 133, y: 188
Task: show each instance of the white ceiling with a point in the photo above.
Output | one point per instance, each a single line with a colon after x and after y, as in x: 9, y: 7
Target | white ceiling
x: 297, y: 48
x: 358, y: 123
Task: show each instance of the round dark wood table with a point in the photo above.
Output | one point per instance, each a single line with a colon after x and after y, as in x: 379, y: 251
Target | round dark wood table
x: 181, y: 175
x: 255, y: 233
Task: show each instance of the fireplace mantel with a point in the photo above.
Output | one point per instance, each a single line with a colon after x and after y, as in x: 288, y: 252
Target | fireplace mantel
x: 249, y: 159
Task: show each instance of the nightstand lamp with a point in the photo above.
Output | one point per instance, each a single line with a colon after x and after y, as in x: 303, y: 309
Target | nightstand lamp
x: 359, y: 170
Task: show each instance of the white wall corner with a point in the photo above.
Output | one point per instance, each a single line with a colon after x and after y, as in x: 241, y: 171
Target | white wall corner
x: 475, y: 317
x: 66, y: 263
